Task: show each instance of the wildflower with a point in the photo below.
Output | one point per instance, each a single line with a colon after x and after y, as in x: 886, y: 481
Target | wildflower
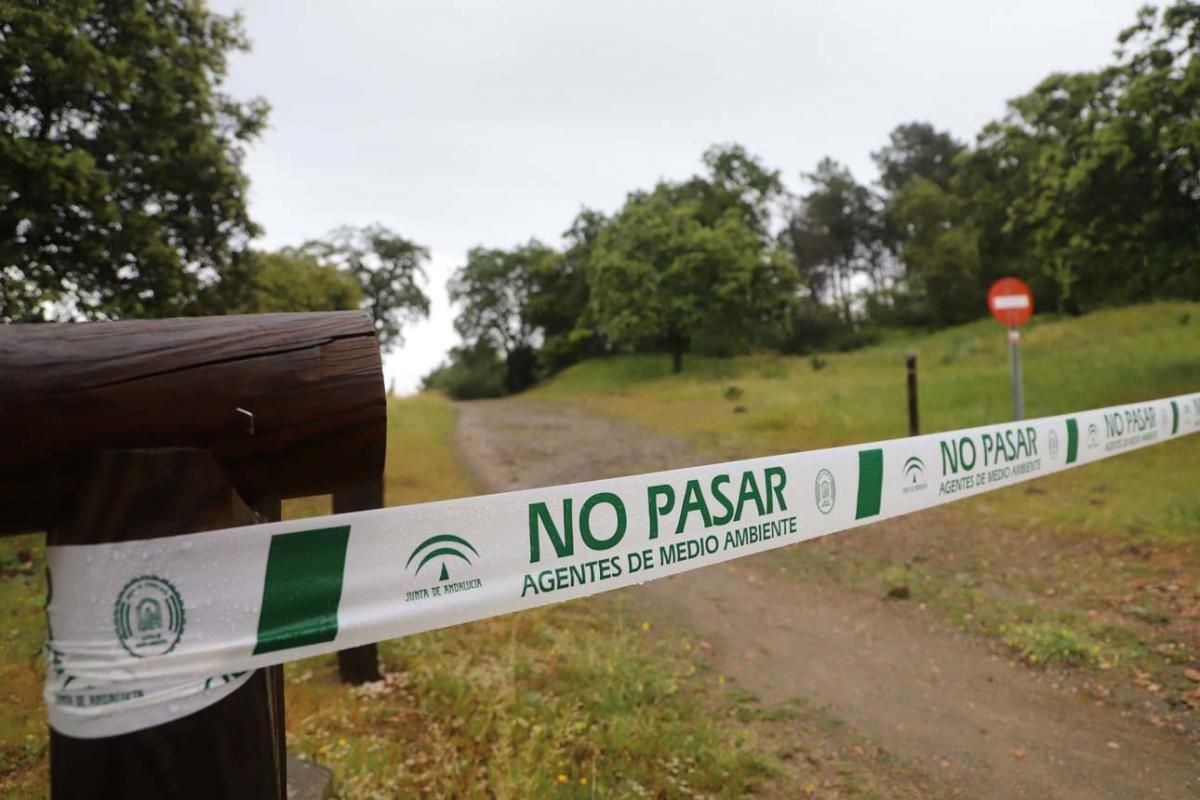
x: 562, y: 778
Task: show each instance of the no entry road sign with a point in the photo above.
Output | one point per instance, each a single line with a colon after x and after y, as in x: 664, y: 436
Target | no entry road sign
x: 1010, y: 302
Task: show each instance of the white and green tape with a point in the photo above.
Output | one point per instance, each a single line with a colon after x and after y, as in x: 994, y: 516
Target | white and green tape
x: 144, y: 632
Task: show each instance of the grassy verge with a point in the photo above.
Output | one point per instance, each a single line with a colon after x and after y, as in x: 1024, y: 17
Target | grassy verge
x: 1092, y: 573
x: 23, y: 742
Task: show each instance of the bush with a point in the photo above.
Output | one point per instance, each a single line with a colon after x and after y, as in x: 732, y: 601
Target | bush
x: 520, y: 369
x: 855, y: 338
x: 820, y: 329
x: 469, y: 373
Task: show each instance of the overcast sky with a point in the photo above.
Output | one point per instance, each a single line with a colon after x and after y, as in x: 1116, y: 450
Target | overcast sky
x: 465, y: 123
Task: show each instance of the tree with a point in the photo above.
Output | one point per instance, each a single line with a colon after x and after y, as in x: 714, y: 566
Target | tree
x: 557, y: 306
x: 661, y: 278
x: 493, y: 290
x: 121, y: 183
x: 1100, y: 171
x: 389, y: 268
x: 834, y: 233
x: 736, y: 181
x: 289, y: 280
x: 916, y: 150
x: 940, y: 251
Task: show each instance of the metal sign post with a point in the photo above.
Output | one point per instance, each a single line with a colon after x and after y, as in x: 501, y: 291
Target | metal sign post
x: 1018, y: 393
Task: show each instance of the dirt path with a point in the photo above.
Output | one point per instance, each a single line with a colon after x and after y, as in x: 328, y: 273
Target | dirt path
x: 934, y: 697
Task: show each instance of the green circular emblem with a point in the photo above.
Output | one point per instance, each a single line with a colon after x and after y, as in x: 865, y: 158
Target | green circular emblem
x: 149, y: 616
x: 826, y: 491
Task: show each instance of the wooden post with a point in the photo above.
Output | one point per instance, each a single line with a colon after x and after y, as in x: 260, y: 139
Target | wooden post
x: 359, y: 664
x: 270, y: 509
x: 233, y: 748
x: 914, y: 425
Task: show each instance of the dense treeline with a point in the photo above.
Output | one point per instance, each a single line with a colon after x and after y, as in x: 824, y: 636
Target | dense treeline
x: 1088, y: 188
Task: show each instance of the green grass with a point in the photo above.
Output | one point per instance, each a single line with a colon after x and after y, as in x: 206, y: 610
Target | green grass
x: 1047, y: 643
x: 23, y: 742
x: 1107, y: 358
x: 574, y: 700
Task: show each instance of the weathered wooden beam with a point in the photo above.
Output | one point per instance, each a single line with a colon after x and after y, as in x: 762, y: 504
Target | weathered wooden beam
x: 289, y: 404
x: 233, y: 748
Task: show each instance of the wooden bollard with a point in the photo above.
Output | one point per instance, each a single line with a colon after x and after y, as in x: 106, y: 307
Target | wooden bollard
x: 231, y: 749
x: 359, y: 664
x: 914, y: 424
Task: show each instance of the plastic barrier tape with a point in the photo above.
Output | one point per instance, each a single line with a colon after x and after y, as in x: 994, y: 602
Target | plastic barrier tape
x: 140, y: 633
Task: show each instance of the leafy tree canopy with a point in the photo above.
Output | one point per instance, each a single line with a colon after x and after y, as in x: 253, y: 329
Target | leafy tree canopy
x: 390, y: 270
x: 493, y: 290
x: 1096, y: 175
x: 663, y: 278
x: 833, y: 234
x: 940, y: 251
x: 916, y: 149
x: 557, y: 306
x: 121, y: 183
x: 289, y: 280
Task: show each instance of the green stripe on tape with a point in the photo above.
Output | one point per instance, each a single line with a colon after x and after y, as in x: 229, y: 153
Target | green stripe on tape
x: 870, y: 482
x: 1072, y: 440
x: 302, y: 589
x: 1174, y: 418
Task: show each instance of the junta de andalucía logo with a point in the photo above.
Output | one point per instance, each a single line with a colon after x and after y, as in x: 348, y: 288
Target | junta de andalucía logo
x: 914, y: 475
x: 439, y: 549
x: 149, y: 616
x: 826, y: 491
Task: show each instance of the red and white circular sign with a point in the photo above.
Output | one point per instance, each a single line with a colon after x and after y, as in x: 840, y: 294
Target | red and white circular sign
x: 1010, y: 302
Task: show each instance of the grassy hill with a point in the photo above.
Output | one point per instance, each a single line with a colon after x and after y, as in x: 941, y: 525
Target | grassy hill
x: 793, y: 403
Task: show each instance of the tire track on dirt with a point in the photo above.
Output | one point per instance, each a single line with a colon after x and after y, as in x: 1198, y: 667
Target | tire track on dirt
x: 935, y: 697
